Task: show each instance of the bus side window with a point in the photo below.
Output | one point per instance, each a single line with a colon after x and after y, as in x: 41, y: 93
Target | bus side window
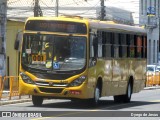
x: 116, y: 45
x: 99, y: 42
x: 123, y: 45
x: 95, y: 46
x: 108, y: 45
x: 91, y: 46
x: 138, y: 43
x: 131, y: 46
x: 144, y: 47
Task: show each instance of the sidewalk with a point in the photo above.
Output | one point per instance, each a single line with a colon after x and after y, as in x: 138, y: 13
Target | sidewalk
x: 152, y: 87
x: 25, y: 98
x: 15, y: 99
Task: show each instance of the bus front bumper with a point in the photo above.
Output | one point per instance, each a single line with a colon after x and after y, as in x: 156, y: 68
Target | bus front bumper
x: 80, y: 92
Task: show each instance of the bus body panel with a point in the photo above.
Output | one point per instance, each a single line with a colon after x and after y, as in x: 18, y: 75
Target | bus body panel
x: 115, y: 73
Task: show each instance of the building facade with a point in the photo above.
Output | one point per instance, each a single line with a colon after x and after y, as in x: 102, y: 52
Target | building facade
x: 149, y: 18
x: 117, y: 15
x: 3, y: 12
x: 12, y: 56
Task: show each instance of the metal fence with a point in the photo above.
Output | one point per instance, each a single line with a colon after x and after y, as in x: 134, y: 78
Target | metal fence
x: 153, y: 79
x: 13, y: 87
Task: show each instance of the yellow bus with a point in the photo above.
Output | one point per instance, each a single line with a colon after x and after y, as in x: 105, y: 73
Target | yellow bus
x: 75, y: 58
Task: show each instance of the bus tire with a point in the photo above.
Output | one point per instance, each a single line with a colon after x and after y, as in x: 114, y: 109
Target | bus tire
x: 37, y: 100
x: 127, y: 96
x: 95, y: 100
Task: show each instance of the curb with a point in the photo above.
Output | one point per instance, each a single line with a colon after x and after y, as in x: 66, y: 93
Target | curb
x: 14, y: 101
x: 151, y: 88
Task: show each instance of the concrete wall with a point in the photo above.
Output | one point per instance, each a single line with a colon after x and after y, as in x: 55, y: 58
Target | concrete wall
x: 153, y: 45
x: 149, y: 17
x: 117, y: 15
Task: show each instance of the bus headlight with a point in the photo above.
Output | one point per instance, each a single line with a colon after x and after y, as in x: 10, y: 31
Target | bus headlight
x: 77, y: 81
x: 26, y: 79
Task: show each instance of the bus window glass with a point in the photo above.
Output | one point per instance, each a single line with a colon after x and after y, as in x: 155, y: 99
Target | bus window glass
x: 138, y: 46
x: 131, y: 47
x: 123, y: 45
x: 108, y: 44
x: 104, y: 44
x: 144, y: 47
x: 99, y: 44
x: 69, y: 53
x: 116, y: 45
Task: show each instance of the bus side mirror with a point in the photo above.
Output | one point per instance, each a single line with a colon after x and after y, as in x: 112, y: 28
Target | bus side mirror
x: 16, y: 44
x: 18, y: 40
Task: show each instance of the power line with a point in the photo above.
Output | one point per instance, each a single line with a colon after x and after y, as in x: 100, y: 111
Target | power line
x: 13, y: 2
x: 89, y: 9
x: 43, y: 3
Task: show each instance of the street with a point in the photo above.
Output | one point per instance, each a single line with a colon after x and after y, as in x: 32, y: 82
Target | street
x: 145, y: 102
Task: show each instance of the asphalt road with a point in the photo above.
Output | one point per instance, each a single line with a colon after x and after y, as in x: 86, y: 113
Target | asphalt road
x: 143, y: 105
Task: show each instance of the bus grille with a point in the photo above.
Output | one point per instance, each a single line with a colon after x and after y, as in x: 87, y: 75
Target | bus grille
x: 41, y: 83
x: 51, y: 90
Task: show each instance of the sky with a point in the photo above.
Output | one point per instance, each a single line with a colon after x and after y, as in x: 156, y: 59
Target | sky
x: 26, y: 7
x: 130, y: 5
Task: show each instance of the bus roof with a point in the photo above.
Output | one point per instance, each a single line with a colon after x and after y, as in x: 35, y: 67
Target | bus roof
x: 111, y: 26
x: 61, y: 18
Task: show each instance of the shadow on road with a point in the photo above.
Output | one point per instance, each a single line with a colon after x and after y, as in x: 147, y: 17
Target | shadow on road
x: 103, y: 105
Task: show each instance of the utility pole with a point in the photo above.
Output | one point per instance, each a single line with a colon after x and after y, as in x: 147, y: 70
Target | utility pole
x: 103, y: 14
x: 3, y: 20
x: 37, y: 9
x: 57, y: 8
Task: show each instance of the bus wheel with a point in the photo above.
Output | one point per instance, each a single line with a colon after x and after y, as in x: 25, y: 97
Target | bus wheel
x: 95, y: 100
x: 127, y: 96
x: 37, y: 100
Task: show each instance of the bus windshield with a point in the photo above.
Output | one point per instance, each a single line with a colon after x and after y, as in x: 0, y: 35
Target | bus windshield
x: 53, y: 52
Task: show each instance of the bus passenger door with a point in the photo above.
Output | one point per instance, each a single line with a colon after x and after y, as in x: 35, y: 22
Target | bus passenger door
x: 92, y: 73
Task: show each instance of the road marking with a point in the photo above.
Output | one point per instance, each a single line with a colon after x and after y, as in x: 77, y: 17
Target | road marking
x: 73, y: 112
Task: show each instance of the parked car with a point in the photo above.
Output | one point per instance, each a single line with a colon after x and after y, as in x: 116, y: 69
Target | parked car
x: 152, y: 68
x: 158, y: 68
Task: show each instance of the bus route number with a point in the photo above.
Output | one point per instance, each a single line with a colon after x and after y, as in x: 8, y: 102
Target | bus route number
x: 37, y: 59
